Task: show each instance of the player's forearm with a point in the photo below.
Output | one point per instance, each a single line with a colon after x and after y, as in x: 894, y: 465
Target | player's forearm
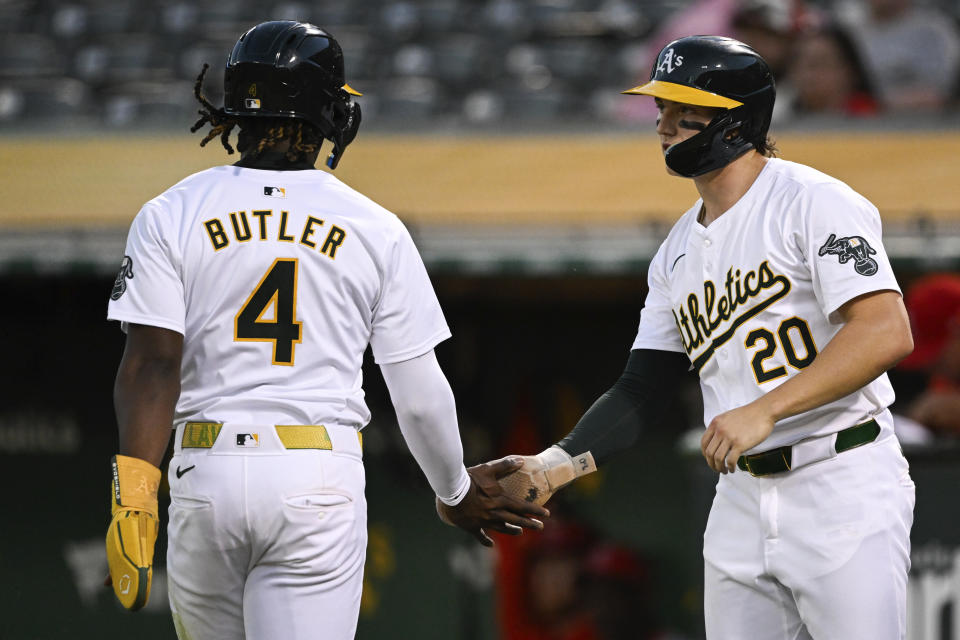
x: 145, y: 397
x: 431, y: 433
x: 863, y: 349
x: 638, y: 399
x: 427, y: 415
x: 146, y: 391
x: 612, y: 424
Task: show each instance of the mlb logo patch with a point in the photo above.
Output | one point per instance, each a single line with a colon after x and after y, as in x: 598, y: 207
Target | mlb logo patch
x: 248, y: 439
x: 251, y: 103
x: 275, y: 192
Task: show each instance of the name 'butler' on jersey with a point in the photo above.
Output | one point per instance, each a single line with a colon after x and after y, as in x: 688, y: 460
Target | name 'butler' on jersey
x: 736, y: 295
x: 303, y: 233
x: 315, y: 238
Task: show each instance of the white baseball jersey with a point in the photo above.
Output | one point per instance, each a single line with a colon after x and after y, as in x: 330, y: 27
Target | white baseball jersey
x: 278, y: 280
x: 753, y: 297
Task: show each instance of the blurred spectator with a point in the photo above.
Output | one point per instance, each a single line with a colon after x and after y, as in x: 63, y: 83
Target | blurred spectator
x: 617, y: 588
x: 539, y: 579
x: 700, y: 17
x: 567, y: 583
x: 771, y: 27
x: 911, y: 53
x: 768, y: 26
x: 933, y: 303
x: 825, y: 76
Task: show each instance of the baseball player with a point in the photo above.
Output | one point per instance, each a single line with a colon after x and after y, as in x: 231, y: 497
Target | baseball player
x: 249, y: 294
x: 775, y: 288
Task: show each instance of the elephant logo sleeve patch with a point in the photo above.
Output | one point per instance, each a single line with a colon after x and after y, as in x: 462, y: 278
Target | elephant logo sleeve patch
x: 854, y: 248
x: 120, y: 284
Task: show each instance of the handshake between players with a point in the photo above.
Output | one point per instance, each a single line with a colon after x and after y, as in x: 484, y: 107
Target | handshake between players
x: 506, y: 494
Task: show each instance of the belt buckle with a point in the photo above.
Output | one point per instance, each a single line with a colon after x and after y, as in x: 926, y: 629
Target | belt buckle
x: 785, y: 455
x: 787, y: 462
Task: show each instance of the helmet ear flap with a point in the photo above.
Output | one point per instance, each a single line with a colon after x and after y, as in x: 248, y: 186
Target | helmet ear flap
x: 750, y: 127
x: 350, y: 122
x: 344, y: 119
x: 710, y: 149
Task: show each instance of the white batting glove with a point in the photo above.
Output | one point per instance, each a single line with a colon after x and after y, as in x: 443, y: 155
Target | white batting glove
x: 545, y: 473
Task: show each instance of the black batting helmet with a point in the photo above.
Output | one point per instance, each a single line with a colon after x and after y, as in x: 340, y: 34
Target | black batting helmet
x: 713, y: 71
x: 287, y: 69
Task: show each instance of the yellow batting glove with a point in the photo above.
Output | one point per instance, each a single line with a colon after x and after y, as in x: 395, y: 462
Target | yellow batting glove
x: 133, y: 529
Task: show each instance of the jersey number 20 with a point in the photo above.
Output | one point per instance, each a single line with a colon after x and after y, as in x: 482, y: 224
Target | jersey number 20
x: 277, y: 295
x: 785, y: 333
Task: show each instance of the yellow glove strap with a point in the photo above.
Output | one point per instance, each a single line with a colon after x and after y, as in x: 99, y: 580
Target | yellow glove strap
x: 135, y: 484
x: 133, y: 529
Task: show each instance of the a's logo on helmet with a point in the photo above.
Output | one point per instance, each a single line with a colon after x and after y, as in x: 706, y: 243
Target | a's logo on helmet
x: 252, y: 90
x: 854, y: 248
x: 669, y: 62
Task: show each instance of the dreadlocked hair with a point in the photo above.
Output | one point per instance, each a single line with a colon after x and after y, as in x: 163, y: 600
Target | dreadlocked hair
x: 221, y: 123
x: 261, y: 134
x: 258, y: 134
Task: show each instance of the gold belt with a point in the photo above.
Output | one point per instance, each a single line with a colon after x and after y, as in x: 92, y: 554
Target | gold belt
x: 202, y: 435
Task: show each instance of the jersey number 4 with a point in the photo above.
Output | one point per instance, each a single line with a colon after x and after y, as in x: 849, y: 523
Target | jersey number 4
x: 270, y: 313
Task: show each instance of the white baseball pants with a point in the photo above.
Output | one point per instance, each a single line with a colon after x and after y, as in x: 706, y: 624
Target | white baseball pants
x: 821, y: 552
x: 266, y: 543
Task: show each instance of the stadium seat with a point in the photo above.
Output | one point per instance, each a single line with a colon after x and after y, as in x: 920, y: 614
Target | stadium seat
x: 125, y: 57
x: 464, y: 59
x: 43, y: 99
x: 149, y: 103
x: 413, y: 98
x: 525, y: 102
x: 28, y: 56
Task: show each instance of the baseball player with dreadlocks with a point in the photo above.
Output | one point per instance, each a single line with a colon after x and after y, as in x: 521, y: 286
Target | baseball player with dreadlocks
x: 775, y: 288
x: 249, y: 294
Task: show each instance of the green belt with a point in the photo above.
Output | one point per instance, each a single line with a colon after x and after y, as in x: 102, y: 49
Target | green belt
x: 779, y: 460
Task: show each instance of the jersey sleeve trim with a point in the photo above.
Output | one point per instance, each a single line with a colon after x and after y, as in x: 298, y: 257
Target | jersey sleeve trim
x: 645, y: 343
x: 856, y: 293
x: 413, y: 352
x: 151, y: 321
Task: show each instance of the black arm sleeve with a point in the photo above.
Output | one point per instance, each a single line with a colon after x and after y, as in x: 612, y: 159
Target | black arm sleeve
x: 639, y: 398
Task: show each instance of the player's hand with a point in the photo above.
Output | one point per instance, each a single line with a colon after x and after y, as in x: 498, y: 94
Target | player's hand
x: 487, y: 508
x: 733, y: 432
x: 544, y: 474
x: 133, y: 530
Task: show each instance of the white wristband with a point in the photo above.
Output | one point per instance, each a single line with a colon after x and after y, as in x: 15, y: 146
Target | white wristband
x: 561, y: 468
x: 463, y: 486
